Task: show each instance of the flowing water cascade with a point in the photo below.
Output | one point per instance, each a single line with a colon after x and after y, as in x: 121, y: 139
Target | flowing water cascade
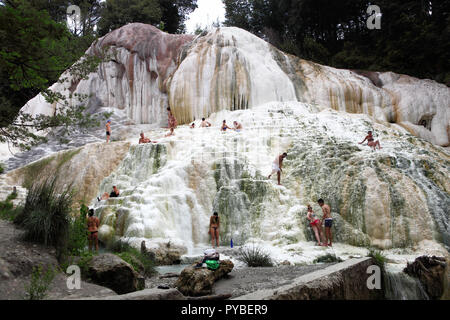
x: 170, y: 189
x: 400, y: 286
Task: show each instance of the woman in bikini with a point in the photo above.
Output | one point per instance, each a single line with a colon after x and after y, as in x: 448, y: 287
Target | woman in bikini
x: 92, y: 224
x: 315, y: 225
x: 224, y: 126
x: 172, y: 121
x: 214, y: 225
x: 371, y: 141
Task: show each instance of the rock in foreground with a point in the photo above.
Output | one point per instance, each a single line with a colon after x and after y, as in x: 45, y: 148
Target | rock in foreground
x: 111, y: 271
x: 199, y: 282
x: 431, y: 272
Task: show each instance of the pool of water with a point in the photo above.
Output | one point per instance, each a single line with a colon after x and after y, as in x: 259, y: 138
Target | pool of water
x: 171, y: 269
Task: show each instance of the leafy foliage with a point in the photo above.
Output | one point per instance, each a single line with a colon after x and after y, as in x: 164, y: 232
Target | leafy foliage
x: 39, y: 284
x: 412, y: 39
x: 7, y: 210
x: 77, y: 240
x: 140, y: 262
x: 378, y: 256
x: 169, y: 15
x: 327, y: 258
x: 255, y: 257
x: 35, y: 51
x: 45, y: 216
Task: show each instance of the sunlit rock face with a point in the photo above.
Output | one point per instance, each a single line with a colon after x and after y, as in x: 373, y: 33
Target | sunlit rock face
x: 231, y: 69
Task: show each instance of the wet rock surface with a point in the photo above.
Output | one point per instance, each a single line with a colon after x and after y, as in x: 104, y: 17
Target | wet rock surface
x: 431, y: 271
x: 199, y: 281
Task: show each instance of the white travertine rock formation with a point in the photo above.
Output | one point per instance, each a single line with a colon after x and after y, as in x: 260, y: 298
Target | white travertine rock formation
x: 231, y: 69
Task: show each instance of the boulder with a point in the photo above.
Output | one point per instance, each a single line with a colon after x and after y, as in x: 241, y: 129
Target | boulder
x: 199, y: 282
x: 431, y: 271
x: 165, y: 254
x: 112, y: 272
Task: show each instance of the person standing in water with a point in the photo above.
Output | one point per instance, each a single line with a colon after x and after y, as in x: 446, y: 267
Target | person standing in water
x: 328, y: 222
x: 371, y: 141
x: 108, y: 130
x: 93, y: 224
x: 315, y: 225
x: 277, y: 166
x: 214, y: 225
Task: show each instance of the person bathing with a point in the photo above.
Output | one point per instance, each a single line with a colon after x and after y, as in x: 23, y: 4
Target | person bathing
x: 144, y: 140
x: 114, y: 194
x: 371, y: 141
x: 205, y: 124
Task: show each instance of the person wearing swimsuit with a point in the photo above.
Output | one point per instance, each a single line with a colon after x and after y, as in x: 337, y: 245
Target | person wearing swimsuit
x: 371, y: 141
x: 214, y: 225
x: 205, y: 124
x: 315, y: 225
x: 276, y: 167
x: 225, y: 126
x: 92, y: 224
x: 172, y: 121
x: 328, y: 222
x: 108, y: 131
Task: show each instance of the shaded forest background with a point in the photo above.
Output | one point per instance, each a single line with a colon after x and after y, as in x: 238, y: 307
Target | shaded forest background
x: 37, y: 45
x: 414, y: 38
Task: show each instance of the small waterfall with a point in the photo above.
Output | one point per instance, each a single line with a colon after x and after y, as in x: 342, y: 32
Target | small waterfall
x: 400, y: 286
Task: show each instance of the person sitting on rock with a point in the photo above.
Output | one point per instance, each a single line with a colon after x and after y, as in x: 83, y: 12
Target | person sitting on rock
x: 114, y: 194
x: 144, y: 140
x: 205, y: 124
x: 237, y: 126
x: 93, y: 224
x: 371, y: 141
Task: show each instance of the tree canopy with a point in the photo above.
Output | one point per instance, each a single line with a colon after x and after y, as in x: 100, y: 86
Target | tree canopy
x: 413, y: 38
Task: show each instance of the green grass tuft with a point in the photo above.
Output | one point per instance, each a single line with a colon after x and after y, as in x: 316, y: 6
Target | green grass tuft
x: 255, y: 257
x: 327, y: 258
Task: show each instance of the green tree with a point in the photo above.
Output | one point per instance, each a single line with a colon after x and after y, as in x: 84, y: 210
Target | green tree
x: 117, y: 13
x: 35, y: 51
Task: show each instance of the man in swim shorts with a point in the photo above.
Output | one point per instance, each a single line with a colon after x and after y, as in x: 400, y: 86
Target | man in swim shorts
x: 108, y: 131
x: 328, y: 221
x: 93, y: 224
x: 205, y: 124
x: 276, y: 166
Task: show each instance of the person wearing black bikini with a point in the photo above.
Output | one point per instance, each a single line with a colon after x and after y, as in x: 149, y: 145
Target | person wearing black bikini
x: 92, y: 224
x: 214, y: 225
x: 371, y: 141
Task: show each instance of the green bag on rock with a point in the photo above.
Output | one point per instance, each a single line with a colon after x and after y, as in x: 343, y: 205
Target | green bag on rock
x: 212, y: 264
